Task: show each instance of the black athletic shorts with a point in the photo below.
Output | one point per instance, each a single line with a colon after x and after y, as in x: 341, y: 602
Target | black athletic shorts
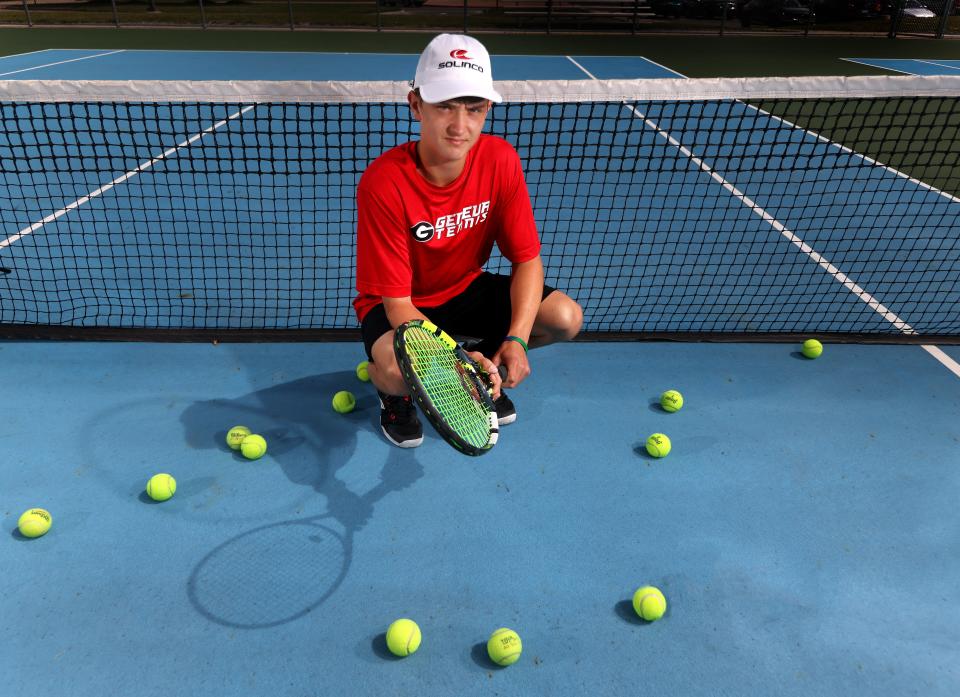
x: 482, y: 311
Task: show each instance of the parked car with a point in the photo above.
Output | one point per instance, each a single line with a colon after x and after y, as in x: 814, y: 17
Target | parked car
x: 851, y: 9
x: 774, y: 12
x: 915, y: 8
x: 667, y: 8
x: 709, y: 9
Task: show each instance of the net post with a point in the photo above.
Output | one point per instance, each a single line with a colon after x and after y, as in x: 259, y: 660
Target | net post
x: 379, y: 25
x: 26, y: 9
x: 549, y: 14
x: 944, y: 18
x: 723, y: 17
x: 116, y: 17
x: 290, y: 12
x: 203, y: 16
x: 636, y: 10
x: 895, y: 15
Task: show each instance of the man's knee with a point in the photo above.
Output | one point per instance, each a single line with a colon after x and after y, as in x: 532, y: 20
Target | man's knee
x: 572, y: 318
x: 560, y: 317
x: 384, y: 368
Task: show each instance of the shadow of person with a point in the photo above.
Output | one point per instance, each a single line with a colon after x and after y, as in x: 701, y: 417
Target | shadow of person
x: 290, y: 416
x: 278, y: 572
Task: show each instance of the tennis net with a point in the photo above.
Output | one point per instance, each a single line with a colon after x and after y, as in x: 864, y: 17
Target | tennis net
x: 724, y: 208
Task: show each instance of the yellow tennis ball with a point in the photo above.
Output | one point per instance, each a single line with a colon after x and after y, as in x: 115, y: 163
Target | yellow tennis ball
x: 253, y: 446
x: 35, y: 522
x: 658, y: 445
x: 403, y: 637
x: 344, y: 402
x: 671, y: 401
x: 812, y: 348
x: 649, y: 603
x: 235, y: 435
x: 363, y: 371
x: 161, y: 487
x: 504, y: 647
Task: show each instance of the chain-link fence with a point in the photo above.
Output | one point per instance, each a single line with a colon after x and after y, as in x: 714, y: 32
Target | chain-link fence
x: 890, y: 17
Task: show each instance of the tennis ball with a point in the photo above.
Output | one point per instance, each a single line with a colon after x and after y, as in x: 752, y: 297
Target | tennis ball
x: 671, y: 401
x: 161, y: 487
x: 403, y: 637
x: 35, y: 522
x: 235, y: 435
x: 344, y: 402
x: 362, y: 371
x: 649, y: 603
x: 812, y: 348
x: 253, y: 446
x: 658, y: 445
x: 504, y: 647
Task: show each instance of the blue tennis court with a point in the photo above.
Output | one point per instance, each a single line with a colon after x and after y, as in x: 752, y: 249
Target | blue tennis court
x: 802, y: 528
x: 86, y: 64
x: 912, y: 66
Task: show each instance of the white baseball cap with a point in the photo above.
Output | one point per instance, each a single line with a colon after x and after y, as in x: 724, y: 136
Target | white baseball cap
x: 454, y: 65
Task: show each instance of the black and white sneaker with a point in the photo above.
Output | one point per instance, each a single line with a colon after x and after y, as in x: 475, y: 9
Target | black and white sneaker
x: 399, y: 421
x: 506, y: 412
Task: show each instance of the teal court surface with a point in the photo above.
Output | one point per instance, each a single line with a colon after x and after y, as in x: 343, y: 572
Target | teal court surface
x: 912, y: 66
x: 803, y: 527
x: 114, y: 64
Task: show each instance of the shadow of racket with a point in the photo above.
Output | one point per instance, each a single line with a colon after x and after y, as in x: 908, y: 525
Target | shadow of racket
x: 279, y: 572
x: 272, y: 574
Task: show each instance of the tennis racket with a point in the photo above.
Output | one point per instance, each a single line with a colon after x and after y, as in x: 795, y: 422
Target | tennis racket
x: 448, y: 386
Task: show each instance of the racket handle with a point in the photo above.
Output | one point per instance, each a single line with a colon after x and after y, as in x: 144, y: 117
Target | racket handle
x: 502, y: 371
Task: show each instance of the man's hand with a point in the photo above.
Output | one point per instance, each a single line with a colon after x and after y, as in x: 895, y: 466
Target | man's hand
x: 490, y: 368
x: 512, y: 355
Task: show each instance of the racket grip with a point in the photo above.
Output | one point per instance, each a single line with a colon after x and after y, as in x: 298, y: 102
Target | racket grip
x: 502, y: 371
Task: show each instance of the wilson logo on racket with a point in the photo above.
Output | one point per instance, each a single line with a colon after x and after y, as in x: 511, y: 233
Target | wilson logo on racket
x: 422, y: 231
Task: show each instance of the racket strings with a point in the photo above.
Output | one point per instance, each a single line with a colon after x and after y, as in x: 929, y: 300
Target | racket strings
x: 449, y: 386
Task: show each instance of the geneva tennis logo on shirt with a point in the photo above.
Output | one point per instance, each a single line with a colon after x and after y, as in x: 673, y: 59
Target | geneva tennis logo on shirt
x: 451, y: 225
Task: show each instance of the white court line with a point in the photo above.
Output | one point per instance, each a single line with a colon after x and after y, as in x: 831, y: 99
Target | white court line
x: 119, y: 180
x: 865, y: 158
x: 939, y: 65
x: 29, y: 53
x: 948, y: 362
x: 71, y: 60
x: 866, y: 297
x: 879, y: 67
x: 642, y: 58
x: 659, y: 65
x: 589, y: 74
x: 792, y: 237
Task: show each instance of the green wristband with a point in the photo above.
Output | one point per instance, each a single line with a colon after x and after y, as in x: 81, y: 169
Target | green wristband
x: 519, y: 341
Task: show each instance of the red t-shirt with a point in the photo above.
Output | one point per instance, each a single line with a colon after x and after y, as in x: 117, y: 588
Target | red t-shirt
x: 429, y: 242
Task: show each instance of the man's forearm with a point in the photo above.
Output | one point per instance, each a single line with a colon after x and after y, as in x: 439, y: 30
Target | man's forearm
x: 526, y: 291
x: 400, y: 310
